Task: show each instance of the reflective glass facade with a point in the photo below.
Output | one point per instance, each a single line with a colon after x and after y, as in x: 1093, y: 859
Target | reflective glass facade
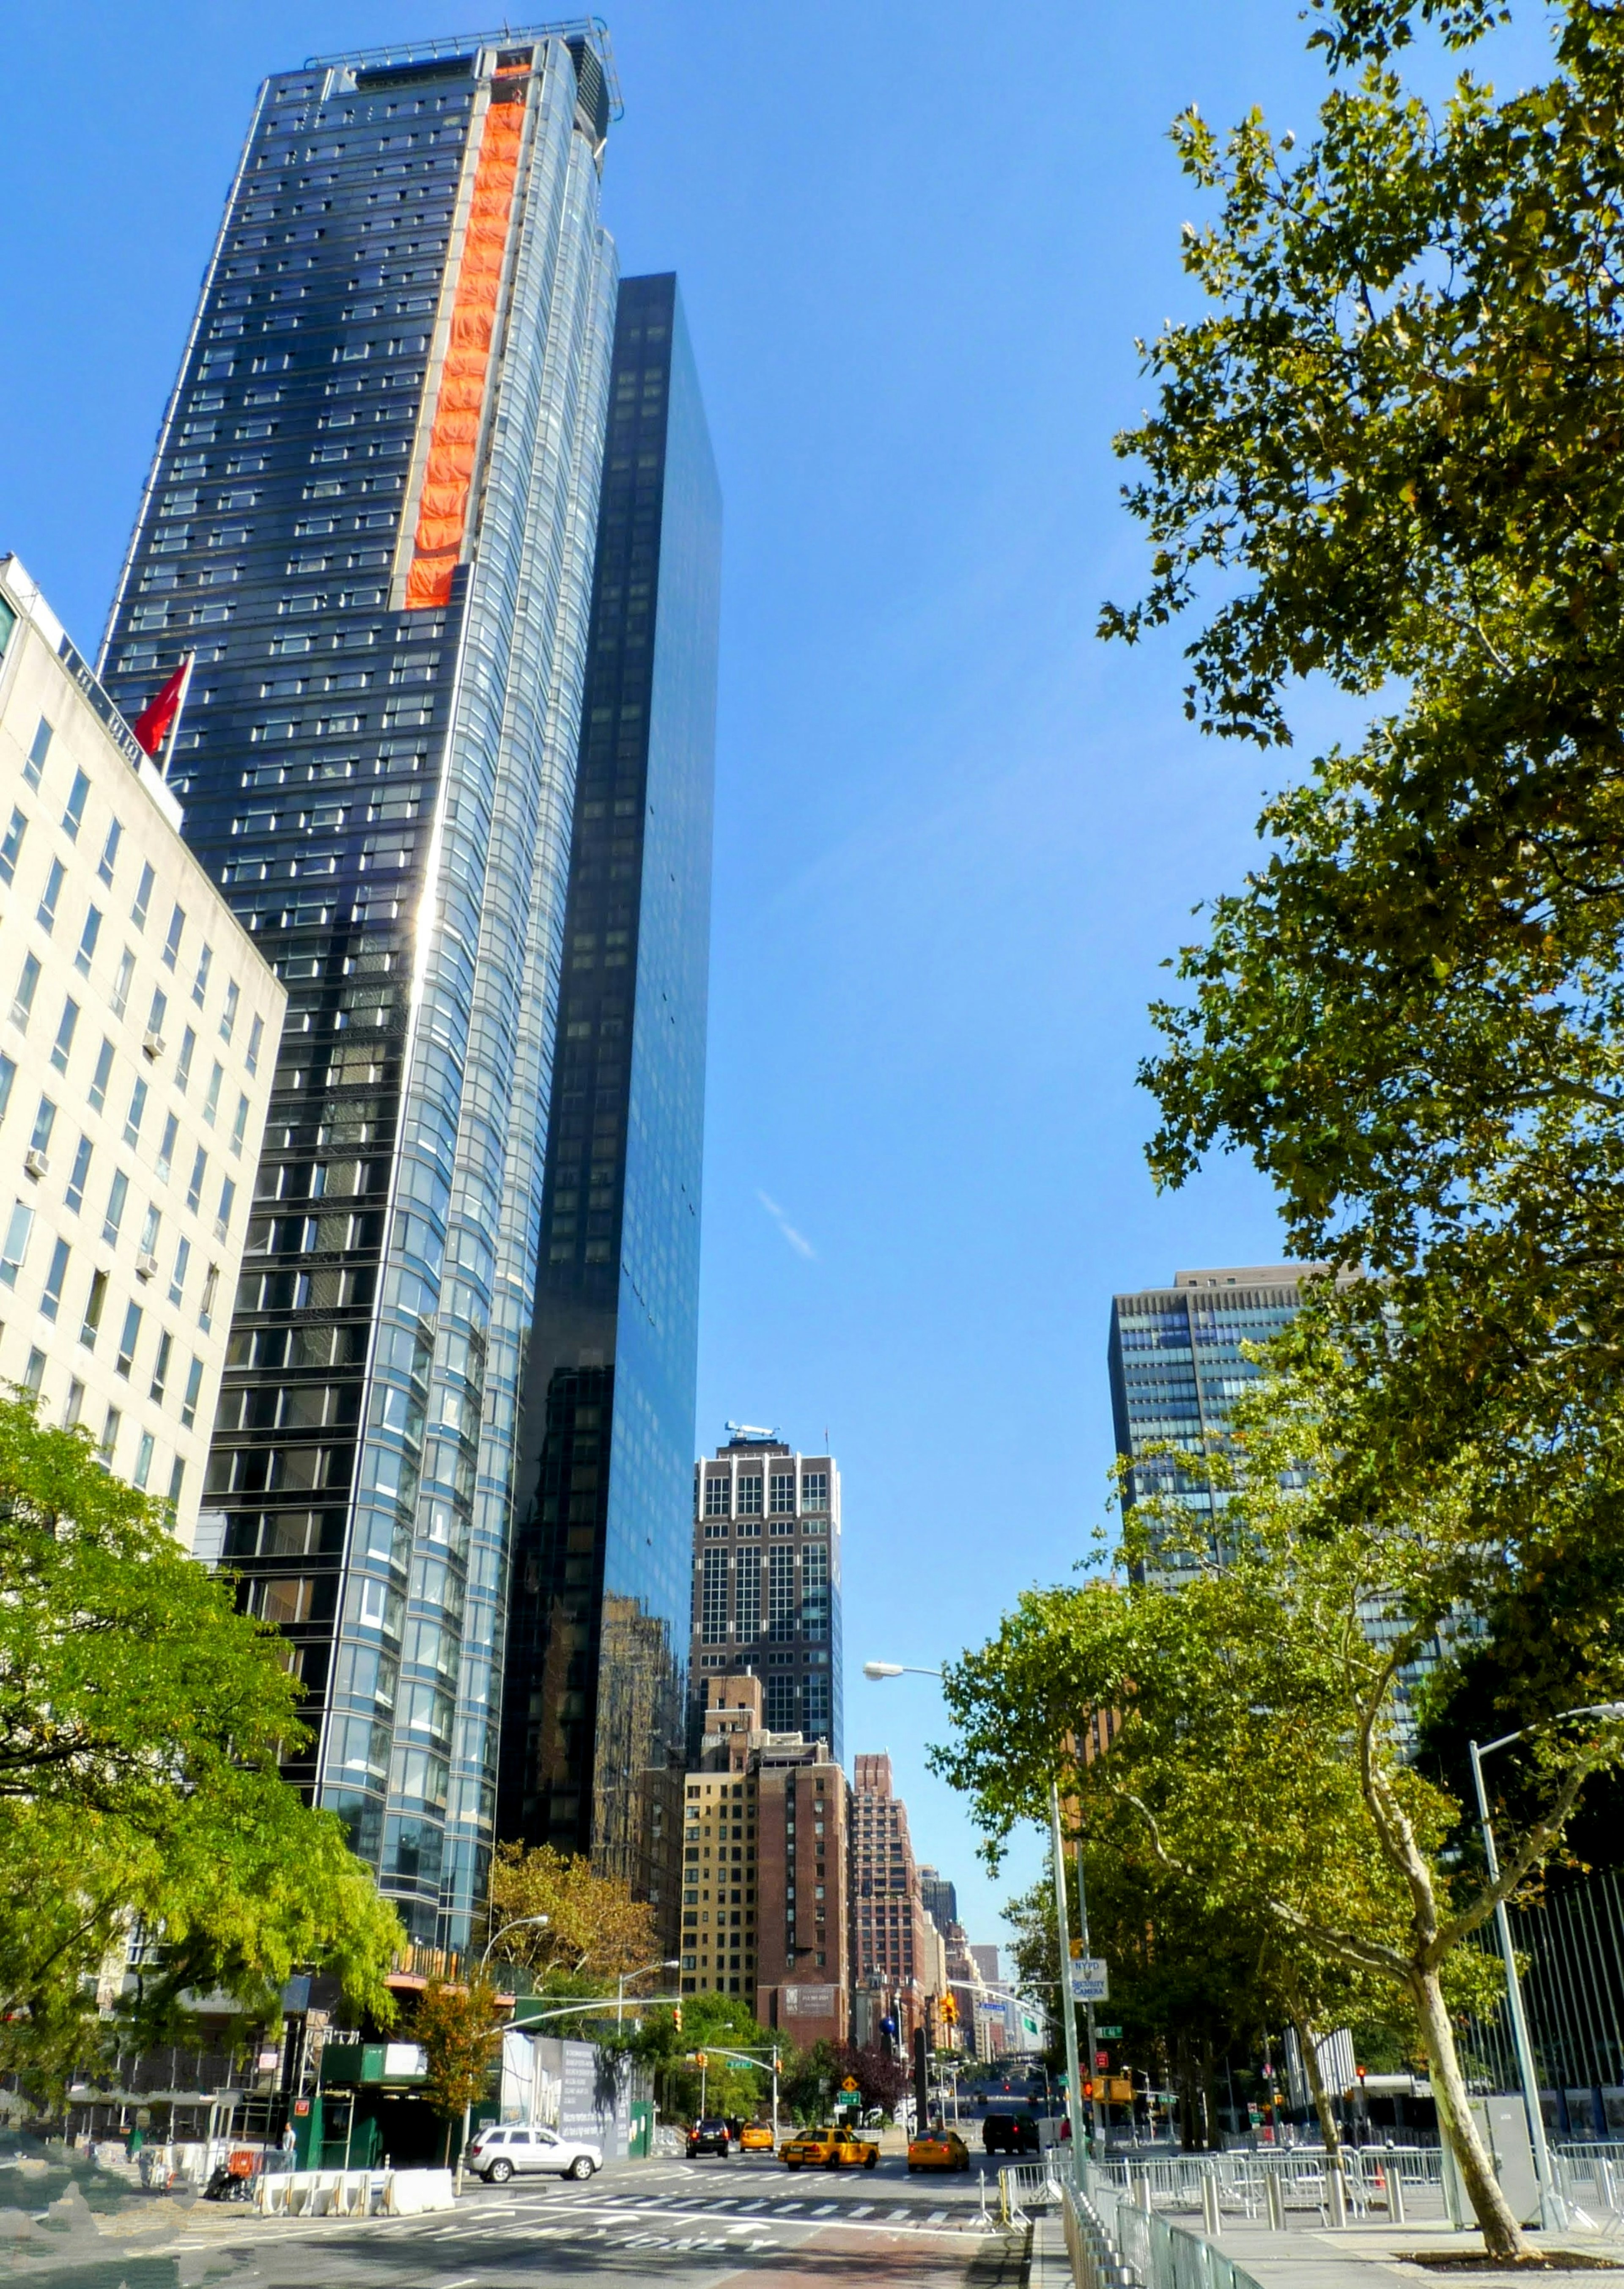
x: 1176, y: 1371
x: 371, y: 517
x: 592, y: 1735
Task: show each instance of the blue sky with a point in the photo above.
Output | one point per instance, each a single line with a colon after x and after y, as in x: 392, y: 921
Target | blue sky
x: 955, y: 834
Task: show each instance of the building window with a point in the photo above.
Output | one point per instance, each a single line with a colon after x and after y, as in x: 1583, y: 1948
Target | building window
x: 64, y: 1035
x: 73, y: 817
x: 45, y: 912
x: 118, y: 1193
x: 143, y: 1460
x: 143, y: 898
x: 782, y: 1503
x: 814, y: 1592
x: 12, y: 844
x: 780, y: 1709
x: 172, y: 942
x: 781, y: 1594
x: 15, y: 1244
x: 815, y: 1490
x: 37, y: 754
x: 713, y: 1598
x: 94, y: 1302
x: 121, y: 982
x: 51, y: 1302
x: 22, y: 1001
x: 750, y: 1497
x: 99, y: 1078
x: 748, y: 1598
x: 110, y: 853
x: 716, y: 1497
x: 81, y: 1170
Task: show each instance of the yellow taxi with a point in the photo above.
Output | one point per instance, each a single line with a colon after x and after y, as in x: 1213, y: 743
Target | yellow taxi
x: 833, y: 2150
x: 941, y: 2149
x: 755, y: 2138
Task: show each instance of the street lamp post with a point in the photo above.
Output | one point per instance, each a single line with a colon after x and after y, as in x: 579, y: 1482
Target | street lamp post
x: 519, y: 1923
x: 1551, y: 2209
x: 669, y: 1962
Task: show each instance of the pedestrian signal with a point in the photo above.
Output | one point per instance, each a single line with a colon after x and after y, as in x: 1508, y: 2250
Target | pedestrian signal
x: 1088, y: 2090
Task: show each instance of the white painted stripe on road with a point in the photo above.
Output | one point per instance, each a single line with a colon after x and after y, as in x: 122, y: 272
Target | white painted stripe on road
x: 863, y: 2209
x: 825, y: 2209
x: 935, y: 2217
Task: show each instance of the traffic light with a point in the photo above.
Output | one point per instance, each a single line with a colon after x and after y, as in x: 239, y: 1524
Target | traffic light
x: 1088, y: 2090
x: 950, y: 2010
x: 676, y: 2018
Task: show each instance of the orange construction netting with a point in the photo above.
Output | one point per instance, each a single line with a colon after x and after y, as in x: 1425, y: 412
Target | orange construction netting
x: 442, y: 512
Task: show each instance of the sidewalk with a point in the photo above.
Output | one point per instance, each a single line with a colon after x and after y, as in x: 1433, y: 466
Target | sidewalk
x: 1371, y: 2257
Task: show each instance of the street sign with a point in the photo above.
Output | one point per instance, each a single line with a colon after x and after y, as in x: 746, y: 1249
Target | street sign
x: 1101, y: 2058
x: 1107, y: 2034
x: 1090, y: 1980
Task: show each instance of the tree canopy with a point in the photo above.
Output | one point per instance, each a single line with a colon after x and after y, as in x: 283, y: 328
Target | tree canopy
x: 141, y: 1720
x: 1258, y: 1761
x: 594, y: 1925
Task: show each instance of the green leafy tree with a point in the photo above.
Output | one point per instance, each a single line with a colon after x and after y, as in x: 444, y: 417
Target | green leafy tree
x: 1390, y: 442
x: 881, y: 2081
x: 1261, y: 1756
x: 141, y: 1721
x: 460, y: 2030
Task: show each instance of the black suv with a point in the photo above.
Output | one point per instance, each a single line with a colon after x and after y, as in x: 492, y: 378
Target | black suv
x: 711, y: 2136
x: 1009, y: 2134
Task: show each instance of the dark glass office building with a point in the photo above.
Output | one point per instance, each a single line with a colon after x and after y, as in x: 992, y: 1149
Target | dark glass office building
x: 371, y: 519
x: 594, y: 1721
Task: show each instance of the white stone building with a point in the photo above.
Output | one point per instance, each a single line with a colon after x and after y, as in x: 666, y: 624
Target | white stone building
x: 139, y: 1028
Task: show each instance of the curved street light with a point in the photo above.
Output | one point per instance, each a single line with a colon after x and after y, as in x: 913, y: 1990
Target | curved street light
x: 1551, y: 2210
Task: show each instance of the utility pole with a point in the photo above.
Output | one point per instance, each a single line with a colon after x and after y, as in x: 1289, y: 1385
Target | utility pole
x: 1093, y: 2041
x: 1068, y: 2012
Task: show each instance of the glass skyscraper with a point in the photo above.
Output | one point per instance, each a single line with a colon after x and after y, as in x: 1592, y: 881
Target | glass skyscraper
x: 1176, y: 1370
x: 592, y: 1733
x: 371, y: 517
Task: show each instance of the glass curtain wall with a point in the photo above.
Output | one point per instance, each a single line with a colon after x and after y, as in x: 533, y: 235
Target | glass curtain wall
x: 370, y: 520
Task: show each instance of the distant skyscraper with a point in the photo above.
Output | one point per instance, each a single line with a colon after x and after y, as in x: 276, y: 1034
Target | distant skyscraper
x: 371, y: 518
x: 940, y: 1897
x: 767, y: 1582
x: 893, y: 1954
x: 593, y: 1747
x: 1176, y: 1370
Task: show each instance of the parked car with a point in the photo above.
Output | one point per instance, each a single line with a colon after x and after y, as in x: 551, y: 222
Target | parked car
x: 501, y: 2151
x: 711, y: 2136
x: 1009, y: 2134
x: 938, y: 2149
x: 835, y: 2149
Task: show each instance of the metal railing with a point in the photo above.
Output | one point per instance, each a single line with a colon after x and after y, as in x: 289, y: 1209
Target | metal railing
x: 1115, y: 2242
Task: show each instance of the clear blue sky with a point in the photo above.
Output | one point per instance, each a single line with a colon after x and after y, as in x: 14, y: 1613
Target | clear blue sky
x: 955, y: 834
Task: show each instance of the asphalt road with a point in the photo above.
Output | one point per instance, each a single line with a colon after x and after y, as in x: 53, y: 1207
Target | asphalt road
x: 696, y: 2224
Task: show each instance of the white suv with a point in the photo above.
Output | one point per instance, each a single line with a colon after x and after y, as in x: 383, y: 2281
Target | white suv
x: 501, y: 2151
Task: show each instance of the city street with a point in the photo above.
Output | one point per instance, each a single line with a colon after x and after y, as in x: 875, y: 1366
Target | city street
x: 698, y: 2224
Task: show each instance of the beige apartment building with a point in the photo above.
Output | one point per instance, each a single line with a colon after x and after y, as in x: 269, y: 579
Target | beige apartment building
x: 139, y: 1028
x: 764, y: 1897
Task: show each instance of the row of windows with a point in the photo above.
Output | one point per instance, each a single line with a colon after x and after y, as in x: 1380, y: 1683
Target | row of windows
x: 110, y: 1442
x: 780, y: 1489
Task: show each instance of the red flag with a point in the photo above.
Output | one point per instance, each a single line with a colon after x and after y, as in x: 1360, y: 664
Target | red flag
x: 156, y: 721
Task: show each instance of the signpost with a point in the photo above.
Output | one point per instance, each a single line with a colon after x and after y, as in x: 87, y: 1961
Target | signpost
x: 1090, y: 1979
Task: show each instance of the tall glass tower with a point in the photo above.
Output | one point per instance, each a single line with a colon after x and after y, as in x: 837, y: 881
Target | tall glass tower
x: 594, y: 1729
x: 371, y: 519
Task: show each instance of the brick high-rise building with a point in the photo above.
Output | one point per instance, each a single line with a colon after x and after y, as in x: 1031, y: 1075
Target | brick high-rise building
x: 764, y: 1901
x: 893, y: 1954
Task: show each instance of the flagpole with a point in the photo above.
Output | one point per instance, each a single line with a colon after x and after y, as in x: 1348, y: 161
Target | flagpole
x: 166, y: 752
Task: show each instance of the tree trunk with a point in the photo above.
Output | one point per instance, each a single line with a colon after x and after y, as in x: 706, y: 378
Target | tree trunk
x: 1502, y: 2236
x: 1309, y: 2046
